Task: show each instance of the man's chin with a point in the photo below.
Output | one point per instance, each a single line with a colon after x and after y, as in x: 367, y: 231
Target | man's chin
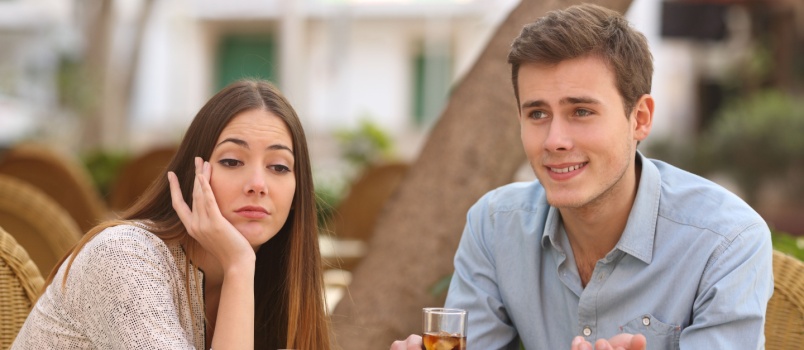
x: 564, y: 203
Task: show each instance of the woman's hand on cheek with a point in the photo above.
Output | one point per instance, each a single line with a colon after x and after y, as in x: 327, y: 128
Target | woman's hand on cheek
x: 206, y: 224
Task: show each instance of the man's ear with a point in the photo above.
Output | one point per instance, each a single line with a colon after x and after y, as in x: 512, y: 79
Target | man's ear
x: 643, y: 116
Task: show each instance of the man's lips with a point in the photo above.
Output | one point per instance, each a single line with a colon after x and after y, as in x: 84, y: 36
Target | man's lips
x: 566, y: 167
x: 252, y: 212
x: 565, y: 171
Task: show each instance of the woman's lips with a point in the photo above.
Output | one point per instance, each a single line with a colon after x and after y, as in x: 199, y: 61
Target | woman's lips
x: 252, y: 212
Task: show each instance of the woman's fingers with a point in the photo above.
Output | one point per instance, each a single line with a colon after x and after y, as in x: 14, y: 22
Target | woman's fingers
x: 196, y: 217
x: 205, y: 202
x: 179, y: 205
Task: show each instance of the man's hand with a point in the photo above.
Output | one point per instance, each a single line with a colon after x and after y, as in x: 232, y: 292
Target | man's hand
x: 622, y: 341
x: 414, y: 342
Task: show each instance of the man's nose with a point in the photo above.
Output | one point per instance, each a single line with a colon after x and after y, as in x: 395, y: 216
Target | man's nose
x: 558, y: 136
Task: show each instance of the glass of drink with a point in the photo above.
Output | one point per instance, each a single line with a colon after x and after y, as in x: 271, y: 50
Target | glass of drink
x: 444, y: 329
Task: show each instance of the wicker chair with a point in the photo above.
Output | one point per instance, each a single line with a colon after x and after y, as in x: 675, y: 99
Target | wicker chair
x: 62, y: 178
x: 137, y: 174
x: 38, y: 223
x: 784, y: 324
x: 354, y: 218
x: 20, y: 284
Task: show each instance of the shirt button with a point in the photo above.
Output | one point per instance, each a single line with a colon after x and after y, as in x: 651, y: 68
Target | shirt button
x: 646, y: 321
x: 587, y: 331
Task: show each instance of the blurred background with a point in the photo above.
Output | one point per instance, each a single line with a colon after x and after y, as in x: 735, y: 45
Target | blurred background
x: 106, y: 82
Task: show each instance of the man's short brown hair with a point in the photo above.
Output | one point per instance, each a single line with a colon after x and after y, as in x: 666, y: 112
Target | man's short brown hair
x: 587, y: 30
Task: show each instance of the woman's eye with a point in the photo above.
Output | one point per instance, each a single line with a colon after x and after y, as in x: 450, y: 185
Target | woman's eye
x: 230, y: 162
x: 279, y: 168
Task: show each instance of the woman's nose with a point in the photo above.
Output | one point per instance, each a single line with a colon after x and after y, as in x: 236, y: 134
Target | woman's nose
x: 256, y: 183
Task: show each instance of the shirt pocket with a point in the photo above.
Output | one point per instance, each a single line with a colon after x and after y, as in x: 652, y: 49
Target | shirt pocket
x: 660, y: 335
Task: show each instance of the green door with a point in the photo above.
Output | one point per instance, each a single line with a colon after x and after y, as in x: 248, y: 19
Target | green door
x: 246, y: 56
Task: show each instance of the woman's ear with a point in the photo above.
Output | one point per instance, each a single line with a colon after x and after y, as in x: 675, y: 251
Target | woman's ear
x: 643, y: 117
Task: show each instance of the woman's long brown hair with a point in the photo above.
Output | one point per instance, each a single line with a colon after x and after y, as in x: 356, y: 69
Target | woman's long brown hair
x: 288, y: 282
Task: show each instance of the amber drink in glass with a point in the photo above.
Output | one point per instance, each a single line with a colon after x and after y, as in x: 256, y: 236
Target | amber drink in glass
x: 444, y: 329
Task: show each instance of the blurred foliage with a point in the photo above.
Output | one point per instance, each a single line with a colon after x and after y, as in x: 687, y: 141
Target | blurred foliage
x: 752, y: 139
x: 364, y: 145
x: 757, y: 138
x: 788, y: 244
x: 103, y: 166
x: 74, y: 90
x: 360, y: 147
x: 326, y: 198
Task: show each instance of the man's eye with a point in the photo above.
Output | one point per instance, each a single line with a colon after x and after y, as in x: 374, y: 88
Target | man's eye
x: 583, y: 112
x: 537, y: 115
x: 229, y: 162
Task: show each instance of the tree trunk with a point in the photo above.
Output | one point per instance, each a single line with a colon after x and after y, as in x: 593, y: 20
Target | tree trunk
x: 473, y: 148
x: 110, y: 82
x: 96, y: 55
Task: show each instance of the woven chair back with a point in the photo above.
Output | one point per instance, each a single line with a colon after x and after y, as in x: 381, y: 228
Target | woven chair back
x: 39, y: 224
x: 62, y: 178
x: 20, y: 284
x: 137, y: 174
x: 356, y: 215
x: 784, y: 323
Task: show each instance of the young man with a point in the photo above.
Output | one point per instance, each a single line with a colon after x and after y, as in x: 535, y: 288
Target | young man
x: 607, y: 247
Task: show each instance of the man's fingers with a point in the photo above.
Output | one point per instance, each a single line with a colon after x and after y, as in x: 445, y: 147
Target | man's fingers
x: 639, y: 342
x: 628, y: 341
x: 579, y: 343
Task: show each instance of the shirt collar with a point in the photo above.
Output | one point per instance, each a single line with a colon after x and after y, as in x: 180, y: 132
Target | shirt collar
x: 640, y: 230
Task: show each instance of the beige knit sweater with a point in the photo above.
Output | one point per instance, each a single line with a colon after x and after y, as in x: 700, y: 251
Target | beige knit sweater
x: 125, y: 290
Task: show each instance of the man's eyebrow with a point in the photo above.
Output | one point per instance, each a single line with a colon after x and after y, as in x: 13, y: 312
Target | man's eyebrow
x: 563, y: 101
x: 244, y: 144
x: 579, y: 100
x: 535, y: 103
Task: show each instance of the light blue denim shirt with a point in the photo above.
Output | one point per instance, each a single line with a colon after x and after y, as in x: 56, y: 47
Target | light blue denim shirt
x: 692, y: 270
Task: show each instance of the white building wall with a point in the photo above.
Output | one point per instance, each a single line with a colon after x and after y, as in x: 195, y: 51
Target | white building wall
x: 673, y: 86
x: 173, y: 79
x: 378, y: 74
x: 356, y: 66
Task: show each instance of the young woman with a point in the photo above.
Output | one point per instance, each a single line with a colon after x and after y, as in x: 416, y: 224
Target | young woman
x: 223, y: 253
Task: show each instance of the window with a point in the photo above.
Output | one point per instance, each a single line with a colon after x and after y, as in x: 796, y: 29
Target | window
x: 431, y: 84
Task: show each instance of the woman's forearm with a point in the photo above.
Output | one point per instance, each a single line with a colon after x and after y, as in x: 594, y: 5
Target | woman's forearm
x: 234, y: 327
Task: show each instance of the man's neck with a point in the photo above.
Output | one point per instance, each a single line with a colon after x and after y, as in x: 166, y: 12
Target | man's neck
x: 594, y: 230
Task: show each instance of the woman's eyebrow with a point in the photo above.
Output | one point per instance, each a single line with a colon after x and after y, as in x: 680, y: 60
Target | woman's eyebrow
x: 279, y: 146
x: 244, y: 144
x: 238, y: 142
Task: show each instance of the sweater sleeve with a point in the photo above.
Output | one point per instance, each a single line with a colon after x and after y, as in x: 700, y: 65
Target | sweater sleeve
x: 126, y: 293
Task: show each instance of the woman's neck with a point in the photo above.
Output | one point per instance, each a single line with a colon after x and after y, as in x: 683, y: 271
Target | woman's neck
x: 213, y: 272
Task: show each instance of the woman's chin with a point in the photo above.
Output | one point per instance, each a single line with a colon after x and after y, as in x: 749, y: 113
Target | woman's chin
x: 256, y: 234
